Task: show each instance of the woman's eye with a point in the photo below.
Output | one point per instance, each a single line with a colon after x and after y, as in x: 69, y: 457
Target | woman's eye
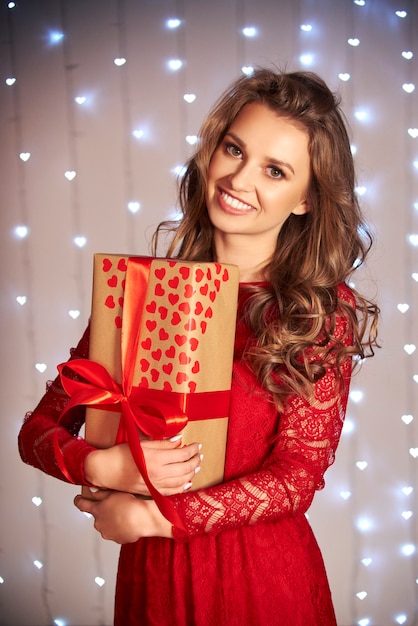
x: 233, y: 150
x: 275, y: 172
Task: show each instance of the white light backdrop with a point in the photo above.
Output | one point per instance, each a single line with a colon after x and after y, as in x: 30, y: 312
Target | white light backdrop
x: 93, y: 124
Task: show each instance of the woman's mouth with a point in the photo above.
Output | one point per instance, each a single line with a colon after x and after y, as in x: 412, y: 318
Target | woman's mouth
x: 233, y: 204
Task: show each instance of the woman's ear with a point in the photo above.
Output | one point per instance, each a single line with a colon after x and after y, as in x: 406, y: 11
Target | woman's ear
x: 301, y: 208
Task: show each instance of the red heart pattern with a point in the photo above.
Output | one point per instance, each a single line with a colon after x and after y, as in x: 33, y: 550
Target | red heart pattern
x: 107, y: 264
x: 163, y: 334
x: 172, y: 328
x: 163, y: 311
x: 122, y: 265
x: 109, y: 302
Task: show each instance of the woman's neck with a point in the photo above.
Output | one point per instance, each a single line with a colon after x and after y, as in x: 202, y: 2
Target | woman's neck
x: 243, y: 253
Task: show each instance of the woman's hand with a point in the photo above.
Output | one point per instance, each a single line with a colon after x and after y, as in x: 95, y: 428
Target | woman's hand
x: 171, y: 467
x: 122, y: 518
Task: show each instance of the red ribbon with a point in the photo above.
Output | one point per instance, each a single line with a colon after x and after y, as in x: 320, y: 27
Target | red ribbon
x: 156, y: 413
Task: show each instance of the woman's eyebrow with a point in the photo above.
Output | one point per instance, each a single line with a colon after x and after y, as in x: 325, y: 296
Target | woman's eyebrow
x: 271, y: 160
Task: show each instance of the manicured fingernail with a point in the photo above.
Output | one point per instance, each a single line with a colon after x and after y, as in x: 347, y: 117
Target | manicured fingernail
x: 176, y: 438
x: 197, y: 469
x: 187, y: 486
x: 94, y: 489
x: 202, y: 456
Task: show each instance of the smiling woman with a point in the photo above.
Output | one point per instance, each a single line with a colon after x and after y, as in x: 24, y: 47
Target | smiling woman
x: 270, y: 189
x: 257, y: 177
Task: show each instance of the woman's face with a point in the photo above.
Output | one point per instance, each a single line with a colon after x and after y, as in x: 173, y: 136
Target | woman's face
x: 258, y: 176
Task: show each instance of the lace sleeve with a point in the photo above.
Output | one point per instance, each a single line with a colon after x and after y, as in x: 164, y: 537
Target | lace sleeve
x: 36, y: 436
x: 304, y: 447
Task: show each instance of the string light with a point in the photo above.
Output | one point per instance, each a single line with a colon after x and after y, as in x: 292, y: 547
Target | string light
x: 364, y: 524
x: 175, y: 64
x: 349, y: 426
x: 306, y: 59
x: 403, y: 307
x: 80, y: 241
x: 179, y: 170
x: 249, y: 31
x: 408, y: 549
x: 361, y: 465
x: 21, y: 231
x: 356, y: 395
x: 407, y: 514
x: 361, y: 116
x: 55, y: 37
x: 138, y: 133
x: 191, y: 139
x: 173, y: 23
x: 134, y: 206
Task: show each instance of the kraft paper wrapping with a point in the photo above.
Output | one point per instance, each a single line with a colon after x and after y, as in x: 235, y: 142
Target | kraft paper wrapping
x: 186, y: 343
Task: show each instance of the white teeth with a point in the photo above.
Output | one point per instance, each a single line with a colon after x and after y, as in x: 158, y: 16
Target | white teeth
x: 235, y: 204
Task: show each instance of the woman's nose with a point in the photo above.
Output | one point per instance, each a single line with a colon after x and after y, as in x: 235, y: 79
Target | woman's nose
x: 242, y: 179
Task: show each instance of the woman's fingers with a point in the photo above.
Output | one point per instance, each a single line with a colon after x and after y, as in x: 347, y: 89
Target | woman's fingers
x: 172, y: 470
x: 172, y: 462
x: 170, y: 467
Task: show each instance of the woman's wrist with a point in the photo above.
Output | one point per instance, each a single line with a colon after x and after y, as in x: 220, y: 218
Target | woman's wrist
x: 159, y: 526
x: 92, y: 467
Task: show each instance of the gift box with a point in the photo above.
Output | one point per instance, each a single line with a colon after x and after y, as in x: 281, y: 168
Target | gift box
x: 163, y: 330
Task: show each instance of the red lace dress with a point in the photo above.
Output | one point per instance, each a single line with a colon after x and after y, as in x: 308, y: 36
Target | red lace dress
x: 249, y: 557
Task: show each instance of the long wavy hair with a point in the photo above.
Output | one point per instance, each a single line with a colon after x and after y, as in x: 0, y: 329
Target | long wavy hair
x: 294, y: 315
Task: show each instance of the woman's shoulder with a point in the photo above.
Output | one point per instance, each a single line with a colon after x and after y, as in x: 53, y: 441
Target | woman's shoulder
x: 344, y: 292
